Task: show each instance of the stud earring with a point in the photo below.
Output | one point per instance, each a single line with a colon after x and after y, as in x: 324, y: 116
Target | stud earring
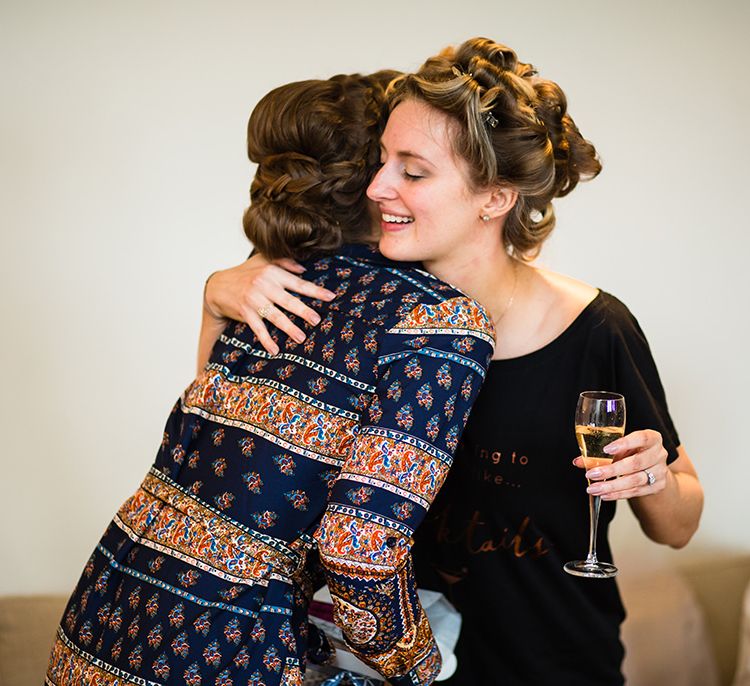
x: 485, y: 217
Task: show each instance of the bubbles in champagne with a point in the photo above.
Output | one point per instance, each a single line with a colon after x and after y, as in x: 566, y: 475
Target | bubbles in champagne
x: 591, y: 441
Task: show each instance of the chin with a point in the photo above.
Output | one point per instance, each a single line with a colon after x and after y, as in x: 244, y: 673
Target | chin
x: 398, y: 251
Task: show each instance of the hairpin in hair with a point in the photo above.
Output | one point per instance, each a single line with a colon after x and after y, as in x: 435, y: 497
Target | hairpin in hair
x: 538, y: 120
x: 460, y: 72
x: 490, y: 119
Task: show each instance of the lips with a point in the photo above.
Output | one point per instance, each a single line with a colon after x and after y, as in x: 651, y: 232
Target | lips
x: 391, y: 223
x: 396, y: 218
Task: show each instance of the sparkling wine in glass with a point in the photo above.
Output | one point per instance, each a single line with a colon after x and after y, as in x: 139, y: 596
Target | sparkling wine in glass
x: 600, y: 419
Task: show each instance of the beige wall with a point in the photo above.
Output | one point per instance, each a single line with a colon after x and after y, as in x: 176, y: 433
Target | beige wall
x: 123, y: 179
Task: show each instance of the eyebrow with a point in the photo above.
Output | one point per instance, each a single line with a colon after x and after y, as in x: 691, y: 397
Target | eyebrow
x: 414, y: 155
x: 408, y: 153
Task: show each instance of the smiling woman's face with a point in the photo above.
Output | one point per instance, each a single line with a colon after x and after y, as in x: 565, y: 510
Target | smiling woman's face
x: 428, y: 211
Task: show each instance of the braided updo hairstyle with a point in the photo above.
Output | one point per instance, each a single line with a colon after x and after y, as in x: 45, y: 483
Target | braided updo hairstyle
x: 511, y: 126
x: 316, y: 146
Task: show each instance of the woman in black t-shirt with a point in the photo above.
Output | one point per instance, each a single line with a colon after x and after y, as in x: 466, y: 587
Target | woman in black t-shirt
x: 514, y: 508
x: 514, y: 511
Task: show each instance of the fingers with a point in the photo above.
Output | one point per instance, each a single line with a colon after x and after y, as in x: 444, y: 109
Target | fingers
x: 308, y: 288
x: 274, y: 285
x: 274, y: 315
x: 288, y: 302
x: 633, y: 442
x: 290, y: 265
x: 258, y: 327
x: 632, y: 485
x: 257, y: 292
x: 635, y: 456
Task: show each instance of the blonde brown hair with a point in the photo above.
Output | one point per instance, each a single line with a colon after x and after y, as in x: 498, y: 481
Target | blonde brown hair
x: 511, y: 126
x: 316, y: 145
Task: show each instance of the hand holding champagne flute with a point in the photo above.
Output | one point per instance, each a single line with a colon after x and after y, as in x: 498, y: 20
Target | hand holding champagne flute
x: 599, y: 420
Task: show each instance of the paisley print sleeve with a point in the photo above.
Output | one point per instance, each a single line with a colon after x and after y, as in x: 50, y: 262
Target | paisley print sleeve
x: 431, y: 366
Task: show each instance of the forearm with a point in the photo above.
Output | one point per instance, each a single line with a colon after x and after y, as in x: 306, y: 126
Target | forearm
x: 668, y: 503
x: 211, y: 328
x: 375, y: 603
x: 671, y: 516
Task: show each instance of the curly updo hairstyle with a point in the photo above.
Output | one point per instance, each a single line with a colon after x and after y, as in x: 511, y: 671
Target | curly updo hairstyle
x: 511, y: 126
x: 316, y: 146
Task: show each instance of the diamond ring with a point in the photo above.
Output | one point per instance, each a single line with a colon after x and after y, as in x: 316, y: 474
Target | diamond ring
x: 264, y: 311
x: 650, y: 478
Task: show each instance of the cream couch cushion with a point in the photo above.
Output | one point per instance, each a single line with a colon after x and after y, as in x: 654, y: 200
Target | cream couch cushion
x: 742, y: 678
x: 27, y: 628
x: 665, y: 636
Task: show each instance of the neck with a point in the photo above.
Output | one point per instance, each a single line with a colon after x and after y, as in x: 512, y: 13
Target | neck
x: 487, y: 276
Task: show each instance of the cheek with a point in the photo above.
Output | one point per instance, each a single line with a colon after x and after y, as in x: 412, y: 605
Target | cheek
x: 373, y: 212
x: 421, y: 200
x: 437, y: 202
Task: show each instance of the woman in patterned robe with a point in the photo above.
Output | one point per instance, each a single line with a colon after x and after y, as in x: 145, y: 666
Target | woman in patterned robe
x: 337, y: 446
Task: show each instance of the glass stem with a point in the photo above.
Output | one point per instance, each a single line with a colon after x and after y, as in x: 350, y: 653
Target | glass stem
x: 594, y: 504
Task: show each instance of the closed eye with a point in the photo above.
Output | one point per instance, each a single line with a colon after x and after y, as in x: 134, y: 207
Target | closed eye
x: 411, y: 177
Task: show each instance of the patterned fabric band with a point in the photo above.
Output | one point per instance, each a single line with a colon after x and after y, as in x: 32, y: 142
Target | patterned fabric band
x: 350, y: 679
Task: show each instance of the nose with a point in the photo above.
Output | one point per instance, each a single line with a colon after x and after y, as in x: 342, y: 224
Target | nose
x: 380, y: 189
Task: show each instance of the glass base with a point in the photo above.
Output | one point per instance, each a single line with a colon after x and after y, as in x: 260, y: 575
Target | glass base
x: 591, y: 570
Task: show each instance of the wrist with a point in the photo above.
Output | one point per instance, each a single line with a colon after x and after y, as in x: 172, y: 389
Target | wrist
x: 209, y: 307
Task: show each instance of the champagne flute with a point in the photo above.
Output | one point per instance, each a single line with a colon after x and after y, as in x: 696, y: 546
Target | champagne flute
x: 600, y: 419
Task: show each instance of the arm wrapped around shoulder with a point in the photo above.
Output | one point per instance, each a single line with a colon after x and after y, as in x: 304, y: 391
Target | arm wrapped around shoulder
x: 432, y: 363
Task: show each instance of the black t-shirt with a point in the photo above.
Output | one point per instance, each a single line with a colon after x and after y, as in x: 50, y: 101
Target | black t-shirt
x: 515, y: 509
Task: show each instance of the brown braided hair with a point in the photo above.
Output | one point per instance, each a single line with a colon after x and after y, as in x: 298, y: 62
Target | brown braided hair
x: 316, y: 146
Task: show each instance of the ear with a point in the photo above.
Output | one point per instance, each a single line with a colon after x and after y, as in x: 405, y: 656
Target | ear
x: 499, y: 202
